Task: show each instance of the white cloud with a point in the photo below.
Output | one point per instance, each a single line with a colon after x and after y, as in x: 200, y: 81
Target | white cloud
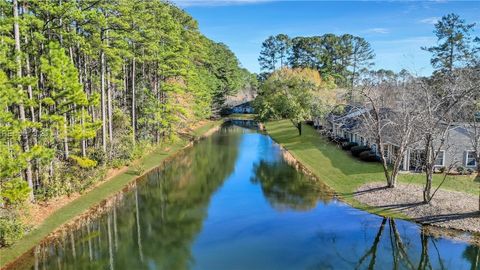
x: 377, y: 31
x: 431, y: 20
x: 189, y: 3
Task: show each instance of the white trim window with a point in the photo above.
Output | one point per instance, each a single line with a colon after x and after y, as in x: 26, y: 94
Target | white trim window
x: 440, y: 161
x: 470, y: 160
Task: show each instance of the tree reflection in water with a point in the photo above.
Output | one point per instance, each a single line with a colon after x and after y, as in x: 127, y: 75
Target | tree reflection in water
x: 403, y: 256
x: 285, y: 187
x: 472, y: 254
x: 154, y: 226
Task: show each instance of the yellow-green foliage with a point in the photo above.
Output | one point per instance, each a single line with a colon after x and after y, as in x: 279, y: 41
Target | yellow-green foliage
x: 297, y: 94
x: 11, y: 229
x: 84, y: 163
x: 14, y: 192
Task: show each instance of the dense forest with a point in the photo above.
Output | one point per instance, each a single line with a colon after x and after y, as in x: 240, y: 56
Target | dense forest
x: 89, y: 85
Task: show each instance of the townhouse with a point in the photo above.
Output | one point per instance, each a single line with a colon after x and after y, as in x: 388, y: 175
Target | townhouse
x: 456, y: 152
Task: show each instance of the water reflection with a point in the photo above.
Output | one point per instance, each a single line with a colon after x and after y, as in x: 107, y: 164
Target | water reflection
x: 232, y: 202
x: 284, y: 187
x: 152, y: 227
x: 399, y: 250
x: 472, y: 254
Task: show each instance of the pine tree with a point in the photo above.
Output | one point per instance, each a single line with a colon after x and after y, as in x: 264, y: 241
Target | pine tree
x: 454, y: 48
x: 85, y: 83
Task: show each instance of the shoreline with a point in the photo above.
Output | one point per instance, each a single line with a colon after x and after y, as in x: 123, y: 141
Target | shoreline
x: 448, y: 209
x: 350, y: 199
x: 85, y: 205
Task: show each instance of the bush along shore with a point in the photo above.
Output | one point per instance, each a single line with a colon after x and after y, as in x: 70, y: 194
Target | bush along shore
x: 360, y: 184
x: 87, y: 203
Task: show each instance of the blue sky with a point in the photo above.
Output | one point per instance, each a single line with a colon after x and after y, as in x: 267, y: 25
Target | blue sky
x: 395, y: 29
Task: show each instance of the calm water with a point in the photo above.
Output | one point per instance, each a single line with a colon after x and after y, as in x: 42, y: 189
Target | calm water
x: 232, y: 202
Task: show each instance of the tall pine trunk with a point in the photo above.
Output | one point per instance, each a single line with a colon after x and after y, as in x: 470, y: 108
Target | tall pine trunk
x: 157, y: 93
x: 65, y: 138
x: 21, y: 108
x: 133, y: 102
x: 102, y: 89
x: 109, y: 113
x: 109, y: 108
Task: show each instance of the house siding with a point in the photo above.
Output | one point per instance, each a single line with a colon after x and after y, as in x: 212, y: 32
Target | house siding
x: 455, y: 147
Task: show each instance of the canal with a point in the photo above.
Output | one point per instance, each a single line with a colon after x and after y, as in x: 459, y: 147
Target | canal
x: 233, y: 202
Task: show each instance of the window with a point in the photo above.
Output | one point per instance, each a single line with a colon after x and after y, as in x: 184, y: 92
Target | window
x: 361, y: 141
x: 470, y: 160
x: 440, y: 161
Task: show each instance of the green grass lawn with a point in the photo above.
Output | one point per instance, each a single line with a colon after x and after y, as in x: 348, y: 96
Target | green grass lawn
x: 342, y: 172
x: 94, y: 197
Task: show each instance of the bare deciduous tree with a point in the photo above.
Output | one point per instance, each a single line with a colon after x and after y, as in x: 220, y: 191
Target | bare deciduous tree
x: 471, y: 119
x: 443, y: 98
x: 391, y: 118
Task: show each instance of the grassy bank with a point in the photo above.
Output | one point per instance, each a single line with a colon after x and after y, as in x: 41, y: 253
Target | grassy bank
x: 95, y: 196
x: 241, y: 116
x: 343, y: 173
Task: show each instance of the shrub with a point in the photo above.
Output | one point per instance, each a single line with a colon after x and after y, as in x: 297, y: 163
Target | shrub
x: 11, y: 229
x: 14, y: 192
x: 139, y: 168
x: 117, y: 163
x: 97, y: 155
x: 461, y: 170
x: 348, y: 146
x: 122, y: 146
x: 441, y: 169
x: 67, y: 180
x: 83, y: 162
x: 368, y: 156
x: 469, y: 171
x: 356, y: 150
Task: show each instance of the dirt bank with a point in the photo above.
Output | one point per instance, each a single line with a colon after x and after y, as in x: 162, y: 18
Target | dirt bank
x: 448, y: 209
